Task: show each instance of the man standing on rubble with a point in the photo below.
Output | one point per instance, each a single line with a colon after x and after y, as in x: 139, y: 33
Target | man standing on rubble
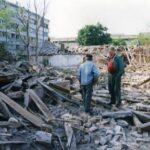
x: 115, y: 67
x: 87, y: 75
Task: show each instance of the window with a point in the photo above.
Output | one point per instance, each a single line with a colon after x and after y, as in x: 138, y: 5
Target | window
x: 2, y: 34
x: 1, y: 21
x: 13, y: 36
x: 17, y: 47
x: 45, y: 33
x: 17, y: 36
x: 46, y: 26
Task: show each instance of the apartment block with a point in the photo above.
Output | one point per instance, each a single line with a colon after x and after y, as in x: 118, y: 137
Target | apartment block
x: 13, y: 40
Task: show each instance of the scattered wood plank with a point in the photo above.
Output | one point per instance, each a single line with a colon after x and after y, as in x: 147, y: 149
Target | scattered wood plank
x: 26, y: 114
x: 4, y: 109
x: 142, y: 107
x: 144, y: 127
x: 5, y: 86
x: 101, y: 101
x: 9, y: 87
x: 57, y: 93
x: 15, y: 95
x: 12, y: 142
x: 71, y: 143
x: 40, y: 105
x: 143, y: 117
x: 143, y: 82
x: 4, y: 124
x: 118, y: 114
x: 7, y: 78
x: 62, y: 86
x: 131, y: 99
x: 136, y: 121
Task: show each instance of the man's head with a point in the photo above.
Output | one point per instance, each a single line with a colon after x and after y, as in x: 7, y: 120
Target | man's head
x: 112, y: 51
x: 89, y: 57
x: 119, y: 50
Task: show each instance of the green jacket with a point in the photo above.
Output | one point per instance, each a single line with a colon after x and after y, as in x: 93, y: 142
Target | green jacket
x: 119, y: 65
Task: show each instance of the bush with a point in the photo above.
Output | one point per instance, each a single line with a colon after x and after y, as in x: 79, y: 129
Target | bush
x: 118, y: 42
x: 93, y: 35
x: 144, y: 39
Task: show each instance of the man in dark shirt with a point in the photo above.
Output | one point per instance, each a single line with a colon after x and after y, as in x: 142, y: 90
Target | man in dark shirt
x: 114, y: 77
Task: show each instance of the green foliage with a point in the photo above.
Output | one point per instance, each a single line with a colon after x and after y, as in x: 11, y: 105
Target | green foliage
x: 144, y: 39
x: 5, y: 14
x: 93, y: 35
x: 4, y: 54
x: 118, y: 42
x: 19, y: 54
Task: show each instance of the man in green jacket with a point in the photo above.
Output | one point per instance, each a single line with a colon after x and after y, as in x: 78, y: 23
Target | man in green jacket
x: 115, y: 71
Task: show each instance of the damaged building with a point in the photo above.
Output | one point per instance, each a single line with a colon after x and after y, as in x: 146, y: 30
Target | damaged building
x: 13, y: 38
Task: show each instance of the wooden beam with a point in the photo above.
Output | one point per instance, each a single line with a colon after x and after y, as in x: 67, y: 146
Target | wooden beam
x: 118, y: 114
x: 101, y: 101
x: 144, y: 127
x: 143, y: 117
x: 4, y: 124
x: 12, y: 142
x: 57, y: 93
x: 142, y: 107
x: 136, y: 121
x: 60, y: 86
x: 143, y: 82
x: 43, y: 108
x: 26, y: 114
x: 59, y: 89
x: 7, y: 78
x: 71, y: 142
x: 4, y: 109
x: 15, y: 95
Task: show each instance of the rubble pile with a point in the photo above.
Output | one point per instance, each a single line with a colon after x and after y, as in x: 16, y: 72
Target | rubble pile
x: 138, y: 76
x: 41, y: 108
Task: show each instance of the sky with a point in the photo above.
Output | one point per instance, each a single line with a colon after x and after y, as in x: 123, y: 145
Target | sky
x: 119, y: 16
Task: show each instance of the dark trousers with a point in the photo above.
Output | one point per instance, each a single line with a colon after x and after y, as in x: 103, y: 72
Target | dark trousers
x: 87, y: 91
x: 114, y: 86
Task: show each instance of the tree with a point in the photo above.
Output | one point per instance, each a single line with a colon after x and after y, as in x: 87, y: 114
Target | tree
x: 23, y: 28
x: 39, y: 23
x: 93, y: 35
x: 24, y: 15
x: 5, y: 15
x: 118, y: 42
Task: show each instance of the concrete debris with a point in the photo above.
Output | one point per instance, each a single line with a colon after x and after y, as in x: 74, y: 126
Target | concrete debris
x: 93, y: 128
x: 43, y: 137
x: 41, y: 108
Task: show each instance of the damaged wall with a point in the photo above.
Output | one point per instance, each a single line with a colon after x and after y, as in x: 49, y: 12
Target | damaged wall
x: 65, y: 60
x: 61, y: 60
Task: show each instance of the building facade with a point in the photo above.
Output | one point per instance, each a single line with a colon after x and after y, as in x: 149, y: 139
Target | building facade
x: 15, y: 40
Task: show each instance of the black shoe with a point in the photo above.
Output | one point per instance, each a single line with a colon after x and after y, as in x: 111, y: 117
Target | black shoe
x: 118, y: 105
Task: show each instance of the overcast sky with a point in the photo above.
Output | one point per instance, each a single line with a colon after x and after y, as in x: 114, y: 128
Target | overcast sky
x: 119, y: 16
